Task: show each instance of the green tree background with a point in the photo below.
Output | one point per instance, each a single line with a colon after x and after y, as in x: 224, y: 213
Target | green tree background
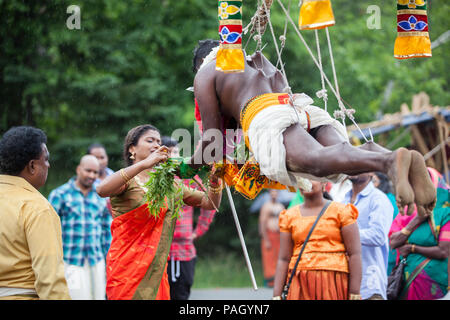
x: 131, y: 62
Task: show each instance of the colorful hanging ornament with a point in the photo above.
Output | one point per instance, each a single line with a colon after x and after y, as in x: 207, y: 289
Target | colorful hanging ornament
x: 315, y: 14
x: 413, y: 40
x: 230, y: 57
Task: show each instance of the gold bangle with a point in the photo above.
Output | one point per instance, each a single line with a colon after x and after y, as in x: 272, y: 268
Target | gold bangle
x: 215, y: 190
x: 276, y: 298
x: 413, y: 248
x: 405, y: 231
x: 355, y: 297
x: 125, y: 177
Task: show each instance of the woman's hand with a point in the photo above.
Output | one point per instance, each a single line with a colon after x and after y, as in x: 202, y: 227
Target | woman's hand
x: 159, y: 155
x: 405, y: 250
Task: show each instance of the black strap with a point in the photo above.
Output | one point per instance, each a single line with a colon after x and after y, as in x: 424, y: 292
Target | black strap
x: 288, y: 284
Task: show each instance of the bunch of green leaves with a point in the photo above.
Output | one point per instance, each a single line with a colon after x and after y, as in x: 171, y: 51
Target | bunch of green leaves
x: 162, y: 189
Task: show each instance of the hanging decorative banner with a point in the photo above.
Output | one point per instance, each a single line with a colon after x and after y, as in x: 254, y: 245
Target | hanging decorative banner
x: 413, y: 40
x: 230, y: 57
x: 315, y: 14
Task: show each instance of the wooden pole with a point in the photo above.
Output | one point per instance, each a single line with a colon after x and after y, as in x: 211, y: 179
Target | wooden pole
x: 421, y: 144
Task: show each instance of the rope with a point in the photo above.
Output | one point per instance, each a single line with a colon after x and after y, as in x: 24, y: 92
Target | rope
x: 283, y: 37
x: 263, y: 14
x: 288, y: 89
x: 321, y: 93
x: 338, y: 113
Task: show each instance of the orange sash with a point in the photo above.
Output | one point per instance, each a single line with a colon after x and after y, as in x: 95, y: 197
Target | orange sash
x: 137, y: 259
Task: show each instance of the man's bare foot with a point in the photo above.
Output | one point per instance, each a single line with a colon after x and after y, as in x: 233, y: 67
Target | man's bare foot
x: 398, y: 173
x: 424, y: 190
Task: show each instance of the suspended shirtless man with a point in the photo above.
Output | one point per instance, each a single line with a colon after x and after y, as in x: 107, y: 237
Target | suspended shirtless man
x: 293, y: 143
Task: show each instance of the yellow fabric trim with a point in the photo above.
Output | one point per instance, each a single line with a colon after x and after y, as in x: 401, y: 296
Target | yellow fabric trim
x: 253, y: 108
x: 412, y: 47
x: 412, y: 34
x: 230, y: 60
x: 412, y: 11
x: 227, y: 22
x: 248, y: 181
x: 230, y: 46
x: 316, y: 15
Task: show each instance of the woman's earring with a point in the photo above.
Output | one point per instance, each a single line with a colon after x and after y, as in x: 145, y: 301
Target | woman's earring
x: 132, y: 156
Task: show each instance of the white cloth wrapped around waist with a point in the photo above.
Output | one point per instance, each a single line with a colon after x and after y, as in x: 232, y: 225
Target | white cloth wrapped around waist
x: 265, y: 135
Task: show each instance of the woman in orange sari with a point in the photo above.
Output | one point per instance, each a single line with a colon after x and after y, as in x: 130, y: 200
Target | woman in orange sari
x: 330, y: 266
x: 137, y: 258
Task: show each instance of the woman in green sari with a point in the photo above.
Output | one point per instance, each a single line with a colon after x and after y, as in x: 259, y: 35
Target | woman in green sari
x: 425, y: 244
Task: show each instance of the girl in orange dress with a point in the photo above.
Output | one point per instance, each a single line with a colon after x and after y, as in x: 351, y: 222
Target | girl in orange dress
x: 330, y: 266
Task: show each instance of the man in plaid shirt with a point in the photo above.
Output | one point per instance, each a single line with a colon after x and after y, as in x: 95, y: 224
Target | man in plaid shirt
x: 182, y: 251
x: 86, y: 231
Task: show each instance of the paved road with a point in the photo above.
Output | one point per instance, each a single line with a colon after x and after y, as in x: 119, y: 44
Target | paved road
x: 231, y: 294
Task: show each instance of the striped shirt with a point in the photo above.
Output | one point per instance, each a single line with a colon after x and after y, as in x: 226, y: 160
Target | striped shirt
x: 182, y: 248
x: 85, y: 223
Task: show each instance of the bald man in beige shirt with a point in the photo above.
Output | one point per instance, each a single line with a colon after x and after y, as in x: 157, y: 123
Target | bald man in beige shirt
x: 31, y: 255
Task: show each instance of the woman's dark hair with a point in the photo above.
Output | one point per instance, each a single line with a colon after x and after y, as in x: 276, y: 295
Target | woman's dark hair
x: 95, y: 145
x: 132, y: 139
x: 169, y: 142
x: 385, y: 183
x: 18, y: 146
x: 203, y: 48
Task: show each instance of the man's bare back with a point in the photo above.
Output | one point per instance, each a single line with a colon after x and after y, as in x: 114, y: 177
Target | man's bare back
x: 260, y: 76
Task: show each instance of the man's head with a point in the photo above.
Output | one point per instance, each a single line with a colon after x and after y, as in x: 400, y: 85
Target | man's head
x: 23, y: 152
x: 172, y: 145
x: 203, y: 48
x: 360, y: 179
x: 99, y: 151
x: 87, y: 171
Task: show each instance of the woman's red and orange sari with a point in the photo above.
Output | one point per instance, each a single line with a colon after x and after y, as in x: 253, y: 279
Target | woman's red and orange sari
x: 137, y: 259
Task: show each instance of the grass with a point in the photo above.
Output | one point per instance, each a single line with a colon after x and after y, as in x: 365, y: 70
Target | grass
x: 226, y: 271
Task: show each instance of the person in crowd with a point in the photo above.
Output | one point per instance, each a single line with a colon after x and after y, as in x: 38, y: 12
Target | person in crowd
x: 99, y: 151
x: 270, y: 236
x: 425, y: 244
x: 86, y: 233
x: 137, y: 259
x: 330, y: 266
x: 183, y: 254
x: 382, y: 182
x: 31, y: 254
x: 375, y: 218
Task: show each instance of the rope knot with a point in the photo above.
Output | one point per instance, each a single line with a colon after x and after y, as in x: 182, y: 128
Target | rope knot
x: 322, y: 94
x: 350, y: 113
x: 339, y: 114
